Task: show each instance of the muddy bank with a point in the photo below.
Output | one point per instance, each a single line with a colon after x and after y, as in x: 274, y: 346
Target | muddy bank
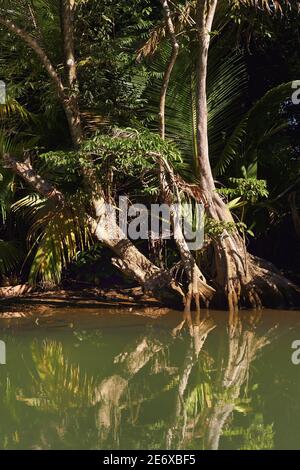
x: 86, y: 297
x: 22, y: 304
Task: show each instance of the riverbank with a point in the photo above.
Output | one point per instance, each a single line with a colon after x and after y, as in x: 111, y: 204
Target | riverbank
x: 89, y: 296
x: 21, y: 302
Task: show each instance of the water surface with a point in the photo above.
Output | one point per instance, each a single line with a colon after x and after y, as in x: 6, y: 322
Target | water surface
x: 122, y: 379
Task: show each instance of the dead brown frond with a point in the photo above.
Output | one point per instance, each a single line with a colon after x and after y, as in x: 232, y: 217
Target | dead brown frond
x: 182, y: 17
x: 151, y: 45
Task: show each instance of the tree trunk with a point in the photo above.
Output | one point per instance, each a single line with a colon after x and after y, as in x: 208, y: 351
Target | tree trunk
x: 67, y: 22
x: 236, y: 276
x: 26, y: 172
x: 131, y: 261
x: 205, y: 12
x: 72, y: 106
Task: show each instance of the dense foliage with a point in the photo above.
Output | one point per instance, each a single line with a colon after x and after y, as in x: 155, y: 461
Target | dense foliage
x: 121, y: 51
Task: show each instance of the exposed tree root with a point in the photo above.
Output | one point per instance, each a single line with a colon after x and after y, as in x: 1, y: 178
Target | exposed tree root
x: 198, y: 288
x: 233, y: 278
x: 252, y: 282
x: 271, y: 286
x: 240, y: 279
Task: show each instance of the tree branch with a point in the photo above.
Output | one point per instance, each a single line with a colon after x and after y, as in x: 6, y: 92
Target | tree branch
x: 34, y: 45
x: 211, y: 10
x: 170, y: 66
x: 28, y: 174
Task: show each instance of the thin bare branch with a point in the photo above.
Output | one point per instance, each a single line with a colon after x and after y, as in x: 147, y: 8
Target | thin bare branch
x: 170, y: 66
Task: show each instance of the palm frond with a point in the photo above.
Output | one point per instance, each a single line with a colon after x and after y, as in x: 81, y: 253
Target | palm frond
x: 261, y: 122
x: 55, y: 237
x: 227, y: 80
x: 10, y: 256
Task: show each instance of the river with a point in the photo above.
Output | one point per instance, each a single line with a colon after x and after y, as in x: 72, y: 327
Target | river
x: 127, y: 379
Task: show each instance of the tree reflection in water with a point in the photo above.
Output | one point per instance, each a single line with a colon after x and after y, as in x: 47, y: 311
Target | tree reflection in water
x: 166, y: 389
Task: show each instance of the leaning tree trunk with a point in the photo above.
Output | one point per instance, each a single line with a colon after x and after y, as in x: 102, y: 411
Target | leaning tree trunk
x: 238, y: 277
x: 129, y: 259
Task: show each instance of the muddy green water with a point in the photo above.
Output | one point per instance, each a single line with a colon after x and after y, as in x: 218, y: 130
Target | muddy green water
x: 117, y: 379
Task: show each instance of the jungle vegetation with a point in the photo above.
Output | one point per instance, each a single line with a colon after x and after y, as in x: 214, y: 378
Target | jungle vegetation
x: 158, y: 101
